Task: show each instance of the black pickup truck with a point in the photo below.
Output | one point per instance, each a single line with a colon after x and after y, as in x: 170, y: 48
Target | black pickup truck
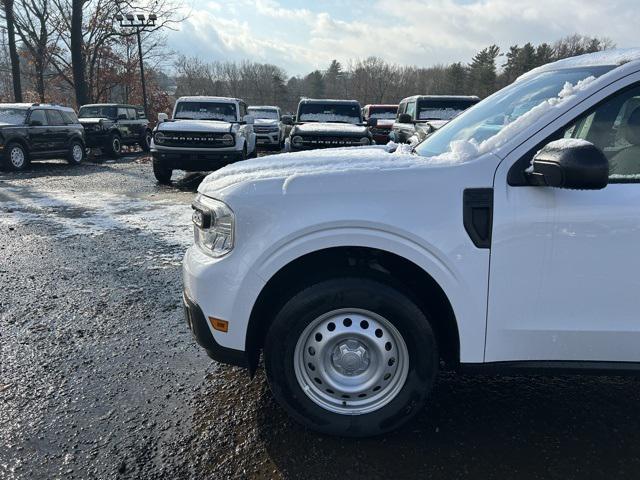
x: 420, y: 115
x: 327, y: 124
x: 32, y: 131
x: 109, y: 126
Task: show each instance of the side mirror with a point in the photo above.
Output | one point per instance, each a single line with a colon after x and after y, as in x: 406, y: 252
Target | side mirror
x: 570, y: 163
x: 248, y: 119
x: 372, y: 122
x: 405, y: 118
x: 162, y: 117
x: 287, y: 120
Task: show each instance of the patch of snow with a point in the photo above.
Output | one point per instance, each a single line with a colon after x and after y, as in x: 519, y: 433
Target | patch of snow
x: 383, y: 115
x: 327, y: 117
x: 565, y: 143
x: 94, y: 214
x: 386, y: 123
x: 197, y: 115
x: 331, y: 127
x: 438, y: 113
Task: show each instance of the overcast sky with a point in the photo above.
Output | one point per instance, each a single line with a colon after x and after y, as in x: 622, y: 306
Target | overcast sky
x: 304, y: 35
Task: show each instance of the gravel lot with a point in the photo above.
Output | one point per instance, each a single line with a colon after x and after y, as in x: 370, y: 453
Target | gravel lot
x: 99, y: 376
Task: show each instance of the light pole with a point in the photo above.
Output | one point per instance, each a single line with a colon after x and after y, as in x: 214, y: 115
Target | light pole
x: 139, y: 21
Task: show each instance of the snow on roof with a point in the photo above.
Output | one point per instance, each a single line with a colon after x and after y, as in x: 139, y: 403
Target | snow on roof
x: 206, y: 98
x: 263, y: 107
x: 441, y: 97
x: 31, y: 105
x: 614, y: 57
x: 326, y: 100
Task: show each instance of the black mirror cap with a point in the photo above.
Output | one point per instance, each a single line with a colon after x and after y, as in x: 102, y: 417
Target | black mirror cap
x: 405, y: 118
x: 287, y: 120
x: 372, y: 122
x: 570, y: 163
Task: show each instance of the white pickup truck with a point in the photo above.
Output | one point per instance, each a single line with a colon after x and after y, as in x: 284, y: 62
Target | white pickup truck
x: 206, y: 133
x: 505, y: 242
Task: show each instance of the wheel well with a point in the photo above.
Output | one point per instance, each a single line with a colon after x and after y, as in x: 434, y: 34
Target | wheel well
x: 380, y: 264
x: 21, y: 142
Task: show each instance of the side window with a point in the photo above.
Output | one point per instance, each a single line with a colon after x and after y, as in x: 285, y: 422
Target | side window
x: 411, y: 109
x: 54, y: 118
x: 38, y: 116
x: 401, y: 108
x: 614, y: 127
x: 122, y: 113
x: 69, y: 117
x: 131, y: 114
x: 243, y: 110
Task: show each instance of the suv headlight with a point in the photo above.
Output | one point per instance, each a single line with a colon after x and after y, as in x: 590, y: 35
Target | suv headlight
x: 213, y: 229
x: 159, y: 137
x: 228, y: 140
x: 365, y: 141
x: 297, y: 140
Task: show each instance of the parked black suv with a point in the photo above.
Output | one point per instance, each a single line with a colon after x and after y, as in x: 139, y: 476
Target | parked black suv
x: 109, y: 126
x: 32, y: 131
x: 327, y: 124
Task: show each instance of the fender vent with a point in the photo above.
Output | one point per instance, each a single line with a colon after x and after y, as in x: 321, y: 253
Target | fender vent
x: 478, y: 215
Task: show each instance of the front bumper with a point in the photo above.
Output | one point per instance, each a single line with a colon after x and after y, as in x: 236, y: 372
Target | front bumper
x: 268, y: 139
x: 195, y: 160
x: 198, y: 325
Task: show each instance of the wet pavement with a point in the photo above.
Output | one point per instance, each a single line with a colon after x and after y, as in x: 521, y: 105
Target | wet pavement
x: 99, y: 376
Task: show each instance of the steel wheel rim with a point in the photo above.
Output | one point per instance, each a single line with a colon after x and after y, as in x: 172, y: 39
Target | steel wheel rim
x: 351, y: 361
x: 17, y: 157
x: 116, y: 145
x: 77, y: 153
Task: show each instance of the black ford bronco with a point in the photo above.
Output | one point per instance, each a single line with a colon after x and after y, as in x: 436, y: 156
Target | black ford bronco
x: 109, y: 126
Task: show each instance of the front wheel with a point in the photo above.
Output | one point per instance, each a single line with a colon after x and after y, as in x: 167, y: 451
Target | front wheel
x: 351, y: 356
x: 162, y: 172
x: 145, y: 144
x: 16, y: 157
x: 114, y: 146
x: 77, y: 153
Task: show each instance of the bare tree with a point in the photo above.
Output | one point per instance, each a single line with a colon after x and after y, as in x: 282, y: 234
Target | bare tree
x: 13, y: 50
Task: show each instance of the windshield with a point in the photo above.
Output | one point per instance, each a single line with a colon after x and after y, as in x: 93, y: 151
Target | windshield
x: 13, y: 116
x: 265, y: 113
x: 225, y: 112
x: 442, y: 109
x: 485, y: 120
x: 383, y: 113
x: 97, y: 112
x: 329, y: 112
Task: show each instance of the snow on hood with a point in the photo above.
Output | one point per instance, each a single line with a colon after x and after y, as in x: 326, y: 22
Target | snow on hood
x: 266, y: 121
x: 194, y: 126
x: 287, y: 166
x: 330, y: 128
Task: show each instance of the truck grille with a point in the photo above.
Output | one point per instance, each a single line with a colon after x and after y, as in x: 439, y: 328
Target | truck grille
x: 320, y: 141
x: 265, y: 129
x: 193, y: 139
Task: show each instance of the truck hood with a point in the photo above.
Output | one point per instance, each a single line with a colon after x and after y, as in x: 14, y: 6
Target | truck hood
x: 322, y: 128
x: 286, y: 167
x: 216, y: 126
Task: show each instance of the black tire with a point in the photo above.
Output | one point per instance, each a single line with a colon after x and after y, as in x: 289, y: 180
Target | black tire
x: 254, y: 154
x: 77, y: 153
x: 244, y: 152
x: 362, y: 294
x: 162, y: 173
x: 11, y: 160
x: 113, y: 147
x: 145, y: 144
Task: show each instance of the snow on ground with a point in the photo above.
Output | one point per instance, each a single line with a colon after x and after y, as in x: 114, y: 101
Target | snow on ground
x: 97, y: 213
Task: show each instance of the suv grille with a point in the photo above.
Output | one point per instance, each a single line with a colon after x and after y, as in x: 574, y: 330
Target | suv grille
x: 322, y: 141
x: 193, y: 139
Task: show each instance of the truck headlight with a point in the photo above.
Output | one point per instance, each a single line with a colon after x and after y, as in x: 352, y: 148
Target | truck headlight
x: 228, y: 140
x: 297, y: 140
x: 213, y: 228
x: 159, y: 137
x: 365, y: 141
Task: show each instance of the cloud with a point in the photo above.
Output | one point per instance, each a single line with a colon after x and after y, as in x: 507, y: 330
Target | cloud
x: 414, y: 32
